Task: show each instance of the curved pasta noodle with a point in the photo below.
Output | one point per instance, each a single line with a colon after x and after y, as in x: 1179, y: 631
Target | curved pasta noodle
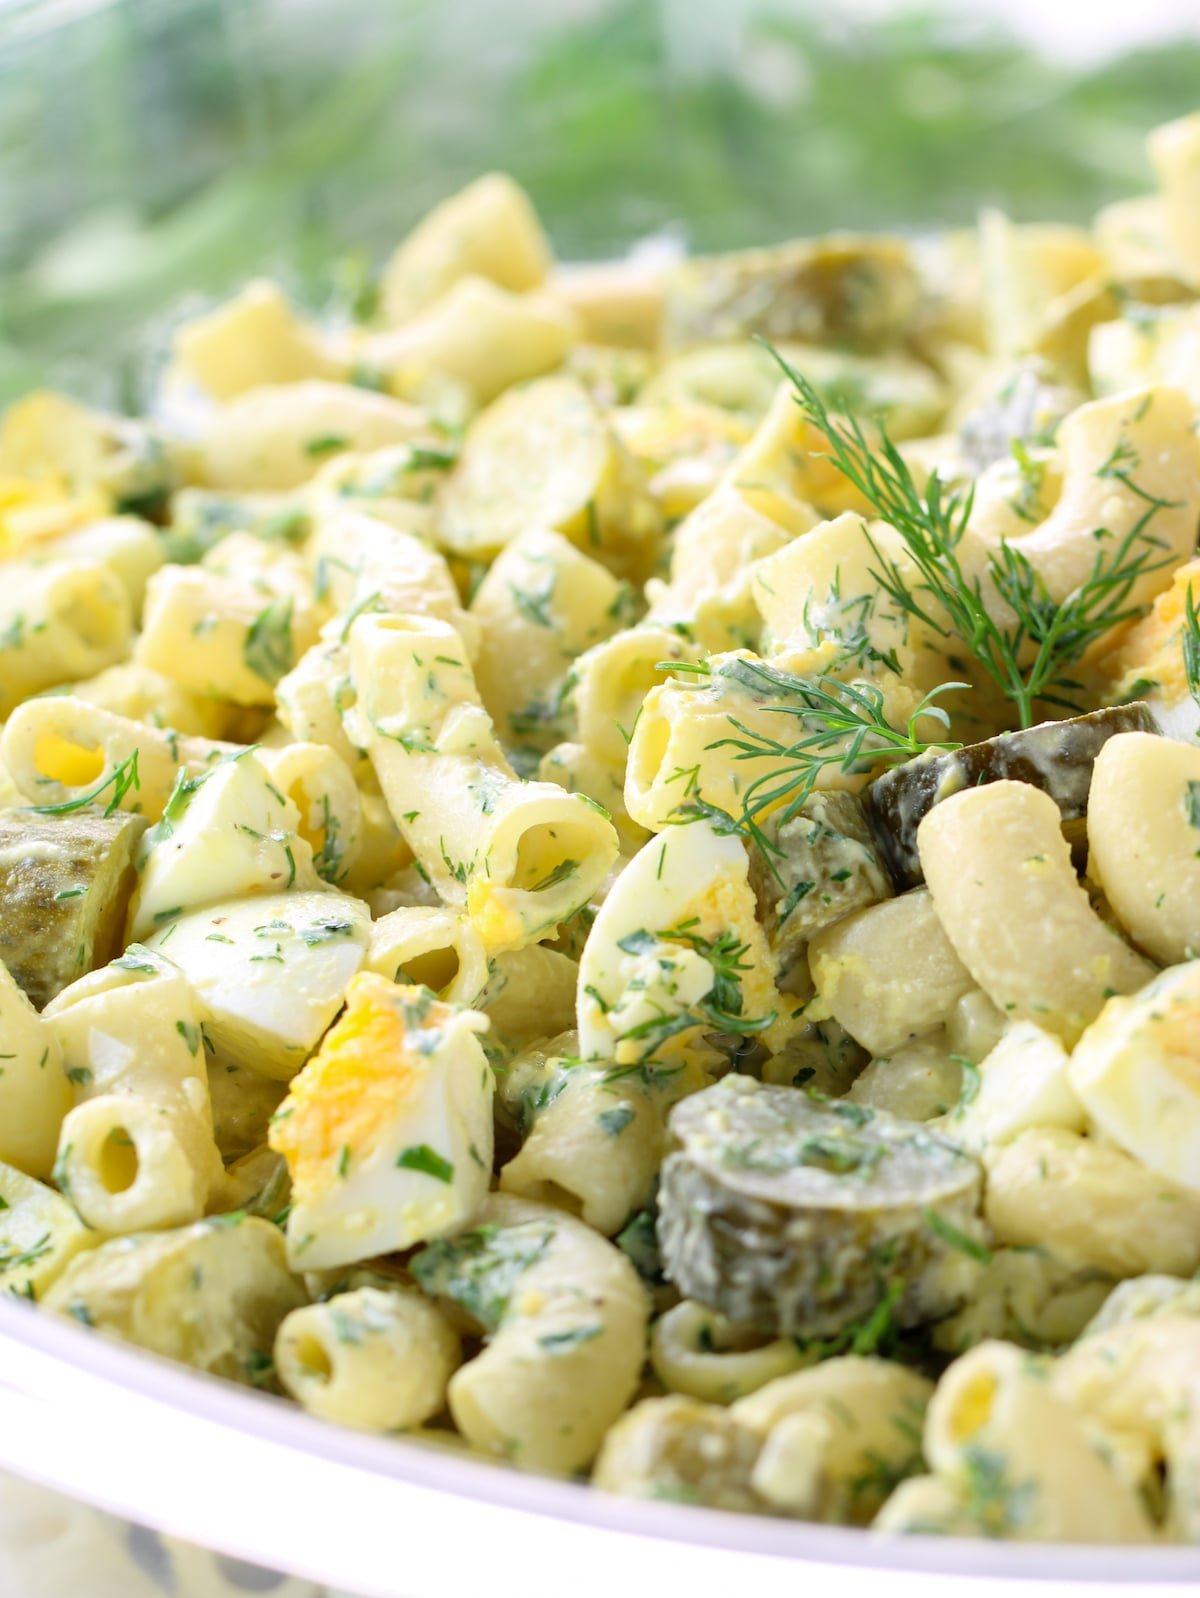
x: 578, y: 769
x: 712, y: 590
x: 276, y: 436
x: 1091, y: 1205
x: 1139, y: 1380
x: 385, y: 862
x: 1143, y: 814
x: 360, y: 562
x: 543, y: 456
x: 1027, y: 1296
x: 618, y: 302
x: 1024, y: 266
x: 680, y: 1448
x: 865, y: 1425
x: 607, y: 688
x: 476, y: 338
x: 62, y: 748
x: 995, y: 1417
x: 137, y: 1151
x: 1012, y: 493
x: 594, y: 1150
x: 1175, y: 153
x: 822, y: 588
x: 228, y: 1272
x: 521, y: 856
x: 35, y: 1093
x: 40, y: 1233
x: 706, y: 736
x: 1000, y: 873
x: 696, y: 1351
x: 530, y: 992
x: 139, y: 694
x: 394, y: 485
x: 313, y: 699
x: 611, y: 682
x: 438, y: 948
x: 927, y: 1506
x: 59, y: 620
x: 327, y: 802
x: 220, y: 636
x: 919, y: 1080
x: 254, y: 339
x: 1131, y: 467
x: 784, y: 471
x: 565, y: 1358
x: 542, y: 603
x: 128, y: 547
x: 489, y: 229
x: 373, y: 1357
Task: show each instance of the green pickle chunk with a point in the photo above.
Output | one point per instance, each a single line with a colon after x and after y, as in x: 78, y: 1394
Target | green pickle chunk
x: 65, y: 883
x: 819, y: 865
x: 802, y: 1216
x: 1056, y: 756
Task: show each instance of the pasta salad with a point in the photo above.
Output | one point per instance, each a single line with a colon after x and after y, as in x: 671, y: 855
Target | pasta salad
x: 603, y: 868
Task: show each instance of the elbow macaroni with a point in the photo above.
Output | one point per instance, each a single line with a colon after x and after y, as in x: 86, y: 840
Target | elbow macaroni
x: 566, y: 1346
x: 137, y: 1151
x: 521, y: 857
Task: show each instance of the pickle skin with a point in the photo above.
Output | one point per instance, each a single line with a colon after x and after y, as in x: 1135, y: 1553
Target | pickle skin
x: 65, y: 883
x: 845, y: 290
x: 1056, y: 756
x: 755, y: 1222
x: 823, y: 865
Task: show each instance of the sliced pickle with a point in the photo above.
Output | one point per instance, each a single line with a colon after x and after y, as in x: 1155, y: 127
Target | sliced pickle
x: 1056, y: 756
x: 804, y: 1217
x: 817, y: 867
x: 845, y: 290
x: 65, y: 883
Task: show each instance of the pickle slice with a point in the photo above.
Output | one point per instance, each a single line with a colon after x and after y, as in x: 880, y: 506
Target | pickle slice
x: 1056, y: 756
x: 65, y: 883
x: 845, y: 290
x: 817, y: 867
x: 804, y: 1216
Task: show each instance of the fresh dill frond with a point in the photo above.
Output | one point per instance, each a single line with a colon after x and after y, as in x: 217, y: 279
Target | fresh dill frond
x: 1191, y: 645
x: 1030, y: 656
x: 842, y: 727
x: 120, y: 779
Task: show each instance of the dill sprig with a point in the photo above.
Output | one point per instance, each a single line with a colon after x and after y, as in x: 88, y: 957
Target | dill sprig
x: 1030, y: 658
x: 1191, y: 644
x: 120, y: 779
x: 842, y: 727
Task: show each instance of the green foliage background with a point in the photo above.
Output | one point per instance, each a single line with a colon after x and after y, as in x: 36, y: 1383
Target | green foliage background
x: 154, y: 152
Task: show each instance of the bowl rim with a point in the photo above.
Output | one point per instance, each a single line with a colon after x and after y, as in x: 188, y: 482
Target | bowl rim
x: 62, y: 1364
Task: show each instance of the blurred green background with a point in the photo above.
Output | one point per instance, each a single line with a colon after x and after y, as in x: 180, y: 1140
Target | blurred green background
x: 154, y: 152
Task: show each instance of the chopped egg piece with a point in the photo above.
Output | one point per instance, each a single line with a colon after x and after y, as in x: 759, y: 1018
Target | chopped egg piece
x: 1137, y: 1071
x: 269, y: 972
x: 387, y: 1131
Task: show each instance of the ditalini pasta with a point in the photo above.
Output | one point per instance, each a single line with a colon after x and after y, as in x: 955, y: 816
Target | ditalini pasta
x: 602, y: 867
